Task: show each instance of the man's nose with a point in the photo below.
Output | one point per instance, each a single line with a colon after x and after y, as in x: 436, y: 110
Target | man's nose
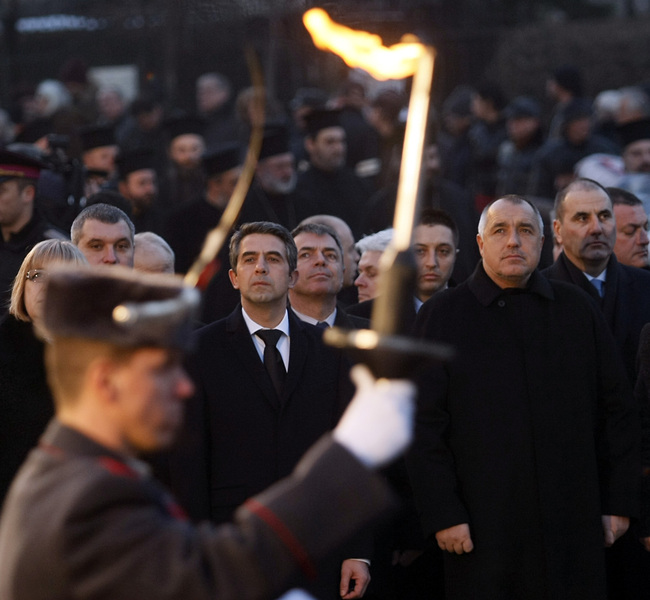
x: 595, y: 226
x: 513, y: 239
x: 109, y: 255
x: 643, y: 237
x: 432, y: 258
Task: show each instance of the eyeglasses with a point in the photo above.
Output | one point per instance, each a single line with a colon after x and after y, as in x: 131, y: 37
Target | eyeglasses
x: 36, y: 275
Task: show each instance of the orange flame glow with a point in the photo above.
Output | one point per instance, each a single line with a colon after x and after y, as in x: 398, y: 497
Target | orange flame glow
x: 362, y: 49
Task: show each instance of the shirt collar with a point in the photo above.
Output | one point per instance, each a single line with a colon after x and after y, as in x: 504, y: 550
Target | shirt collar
x: 283, y: 325
x: 307, y: 319
x: 602, y: 277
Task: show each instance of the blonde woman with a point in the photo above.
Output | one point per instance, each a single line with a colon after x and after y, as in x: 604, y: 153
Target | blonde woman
x: 25, y: 400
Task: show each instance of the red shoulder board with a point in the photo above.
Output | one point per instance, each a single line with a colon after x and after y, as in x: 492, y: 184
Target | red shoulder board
x: 117, y: 467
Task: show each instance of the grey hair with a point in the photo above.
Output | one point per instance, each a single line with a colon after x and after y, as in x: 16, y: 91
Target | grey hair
x: 513, y: 199
x: 104, y: 213
x: 377, y: 242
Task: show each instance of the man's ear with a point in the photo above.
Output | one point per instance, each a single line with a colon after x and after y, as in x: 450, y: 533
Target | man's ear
x: 293, y: 278
x: 100, y: 377
x: 479, y: 241
x: 28, y: 194
x: 233, y: 278
x: 556, y: 230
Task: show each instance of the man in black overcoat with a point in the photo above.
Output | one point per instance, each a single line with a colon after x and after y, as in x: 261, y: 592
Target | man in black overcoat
x: 244, y: 432
x: 525, y: 462
x: 585, y: 225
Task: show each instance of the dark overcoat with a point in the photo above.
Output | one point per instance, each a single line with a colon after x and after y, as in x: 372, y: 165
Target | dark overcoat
x: 626, y: 304
x: 25, y: 400
x: 81, y: 522
x: 239, y: 437
x: 529, y: 436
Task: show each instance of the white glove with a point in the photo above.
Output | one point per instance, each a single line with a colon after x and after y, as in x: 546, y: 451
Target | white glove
x: 378, y: 423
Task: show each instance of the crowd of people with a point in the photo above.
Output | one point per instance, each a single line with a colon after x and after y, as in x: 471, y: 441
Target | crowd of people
x: 528, y: 473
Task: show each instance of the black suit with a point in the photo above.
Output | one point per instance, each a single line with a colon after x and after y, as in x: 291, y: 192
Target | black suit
x: 626, y: 304
x: 239, y: 438
x: 241, y: 441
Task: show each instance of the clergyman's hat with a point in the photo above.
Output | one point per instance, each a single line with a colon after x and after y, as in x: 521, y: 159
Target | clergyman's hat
x: 275, y: 141
x: 319, y: 119
x: 634, y: 131
x: 221, y: 159
x: 134, y: 160
x: 96, y: 136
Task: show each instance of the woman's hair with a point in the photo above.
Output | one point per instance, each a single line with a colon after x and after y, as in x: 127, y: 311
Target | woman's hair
x: 41, y: 255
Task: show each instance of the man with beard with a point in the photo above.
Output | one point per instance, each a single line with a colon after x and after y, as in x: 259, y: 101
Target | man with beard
x: 187, y: 227
x: 271, y: 196
x: 99, y: 151
x: 635, y: 138
x: 184, y: 179
x: 138, y: 183
x: 328, y: 186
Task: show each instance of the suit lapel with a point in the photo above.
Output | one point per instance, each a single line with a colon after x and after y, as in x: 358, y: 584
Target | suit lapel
x: 619, y: 293
x: 246, y: 353
x: 576, y: 276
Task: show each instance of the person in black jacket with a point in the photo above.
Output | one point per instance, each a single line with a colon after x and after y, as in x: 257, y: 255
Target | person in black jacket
x: 25, y: 398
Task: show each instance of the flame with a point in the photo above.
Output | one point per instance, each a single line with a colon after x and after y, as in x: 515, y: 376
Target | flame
x: 362, y: 49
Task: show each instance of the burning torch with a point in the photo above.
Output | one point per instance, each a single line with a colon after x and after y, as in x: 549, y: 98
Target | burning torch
x: 385, y: 348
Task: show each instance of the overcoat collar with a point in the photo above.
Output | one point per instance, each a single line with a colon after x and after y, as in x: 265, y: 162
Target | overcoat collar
x: 486, y: 291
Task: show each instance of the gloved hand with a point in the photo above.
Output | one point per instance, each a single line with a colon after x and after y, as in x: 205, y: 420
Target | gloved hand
x: 378, y: 423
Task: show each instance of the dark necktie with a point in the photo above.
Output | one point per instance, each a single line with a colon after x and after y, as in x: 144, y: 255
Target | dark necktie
x: 272, y: 358
x: 322, y: 324
x: 599, y: 285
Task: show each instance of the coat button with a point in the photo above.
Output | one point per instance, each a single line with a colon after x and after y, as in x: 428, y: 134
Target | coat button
x: 501, y: 303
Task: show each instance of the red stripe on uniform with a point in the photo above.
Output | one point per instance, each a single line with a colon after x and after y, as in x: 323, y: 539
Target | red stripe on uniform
x: 287, y: 538
x: 117, y: 467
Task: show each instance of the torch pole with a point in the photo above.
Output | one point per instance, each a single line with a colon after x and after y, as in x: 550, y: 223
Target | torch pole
x: 385, y: 348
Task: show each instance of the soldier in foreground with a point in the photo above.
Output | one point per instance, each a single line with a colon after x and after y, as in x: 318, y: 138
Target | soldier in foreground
x: 85, y: 520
